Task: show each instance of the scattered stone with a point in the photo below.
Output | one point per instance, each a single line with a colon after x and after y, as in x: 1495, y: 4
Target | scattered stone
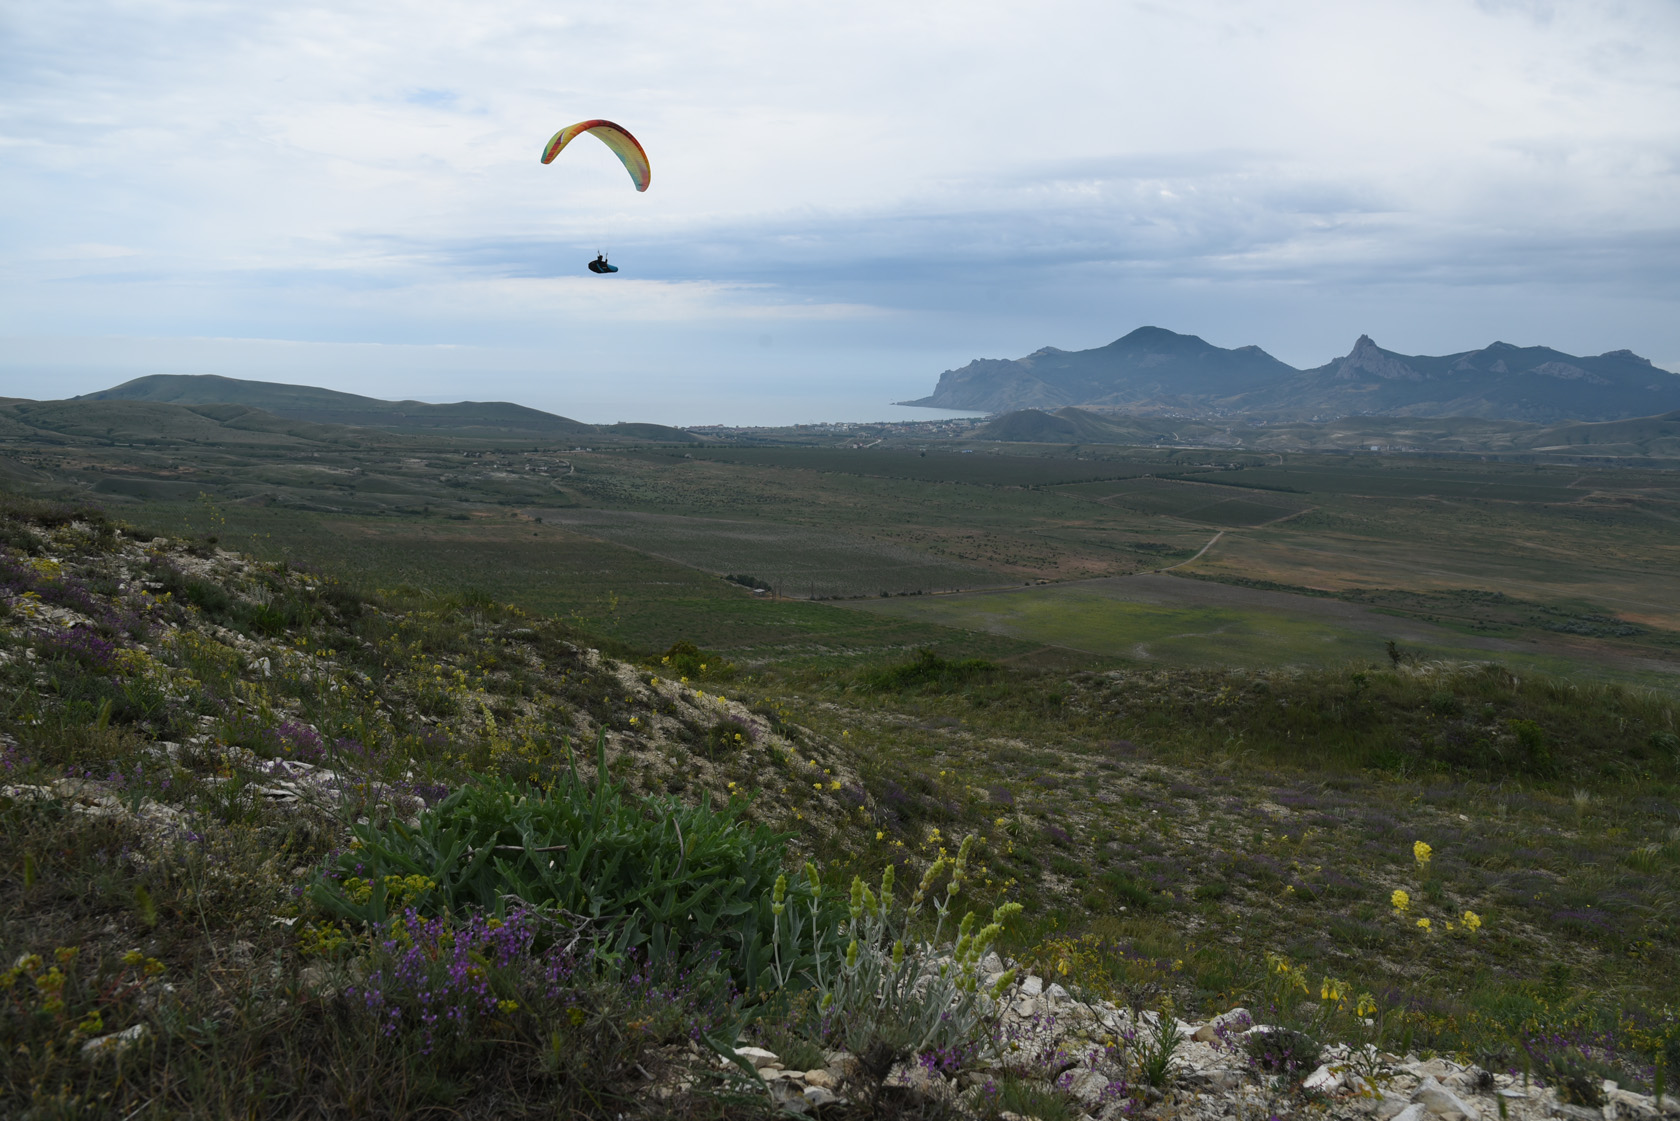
x: 789, y: 1096
x: 1577, y: 1112
x: 818, y: 1096
x: 821, y: 1079
x: 1088, y: 1086
x: 843, y: 1065
x: 115, y: 1043
x: 759, y: 1057
x: 1439, y: 1100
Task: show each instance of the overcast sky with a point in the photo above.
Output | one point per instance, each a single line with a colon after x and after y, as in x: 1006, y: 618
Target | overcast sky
x: 846, y: 198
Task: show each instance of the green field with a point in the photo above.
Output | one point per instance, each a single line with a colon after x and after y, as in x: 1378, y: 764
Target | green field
x: 642, y: 601
x: 944, y: 465
x: 1189, y: 623
x: 1198, y: 501
x: 636, y: 539
x: 795, y: 560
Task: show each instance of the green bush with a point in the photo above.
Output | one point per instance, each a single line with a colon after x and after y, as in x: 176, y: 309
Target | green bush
x: 930, y: 673
x: 668, y: 878
x: 687, y: 660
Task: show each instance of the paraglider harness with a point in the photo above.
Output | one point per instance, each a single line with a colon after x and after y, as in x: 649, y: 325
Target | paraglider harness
x: 599, y: 264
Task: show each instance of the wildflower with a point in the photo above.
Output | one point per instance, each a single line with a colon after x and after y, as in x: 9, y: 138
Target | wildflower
x: 1423, y: 925
x: 1400, y: 900
x: 1367, y: 1004
x: 1472, y: 921
x: 880, y: 835
x: 508, y: 1005
x: 1421, y: 852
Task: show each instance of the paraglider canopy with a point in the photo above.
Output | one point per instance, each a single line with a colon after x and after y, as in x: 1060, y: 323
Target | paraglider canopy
x: 599, y: 264
x: 623, y: 145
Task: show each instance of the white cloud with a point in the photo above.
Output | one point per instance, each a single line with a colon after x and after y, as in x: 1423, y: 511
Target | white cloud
x: 941, y: 177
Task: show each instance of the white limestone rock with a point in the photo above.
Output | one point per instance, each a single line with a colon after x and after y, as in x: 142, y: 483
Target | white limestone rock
x: 1439, y: 1100
x: 759, y: 1057
x: 115, y: 1043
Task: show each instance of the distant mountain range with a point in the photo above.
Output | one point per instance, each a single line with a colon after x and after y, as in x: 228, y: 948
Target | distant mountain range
x: 495, y: 419
x: 1156, y: 371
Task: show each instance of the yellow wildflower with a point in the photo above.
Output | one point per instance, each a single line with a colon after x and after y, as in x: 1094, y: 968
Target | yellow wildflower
x: 1400, y: 900
x: 1472, y: 921
x: 1423, y: 925
x: 1421, y: 852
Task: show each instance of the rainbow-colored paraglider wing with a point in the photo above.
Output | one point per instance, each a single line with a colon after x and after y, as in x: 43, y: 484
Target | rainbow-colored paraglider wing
x: 623, y: 145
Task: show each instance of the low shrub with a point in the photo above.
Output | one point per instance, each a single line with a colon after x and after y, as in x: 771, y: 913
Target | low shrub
x: 929, y: 673
x: 1283, y: 1052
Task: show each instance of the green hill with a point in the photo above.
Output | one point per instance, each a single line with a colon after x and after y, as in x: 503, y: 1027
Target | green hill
x: 1641, y: 436
x: 329, y: 406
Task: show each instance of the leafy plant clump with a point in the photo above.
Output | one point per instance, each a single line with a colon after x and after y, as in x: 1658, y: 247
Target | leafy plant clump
x: 668, y: 878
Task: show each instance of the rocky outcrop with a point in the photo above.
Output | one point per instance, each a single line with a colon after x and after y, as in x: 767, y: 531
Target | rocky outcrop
x: 1367, y: 357
x: 1085, y: 1053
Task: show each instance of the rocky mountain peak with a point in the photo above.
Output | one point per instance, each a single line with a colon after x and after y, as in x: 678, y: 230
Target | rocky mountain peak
x: 1367, y: 357
x: 1626, y: 356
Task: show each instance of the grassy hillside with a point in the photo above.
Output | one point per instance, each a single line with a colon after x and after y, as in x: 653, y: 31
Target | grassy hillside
x: 328, y: 406
x: 227, y: 778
